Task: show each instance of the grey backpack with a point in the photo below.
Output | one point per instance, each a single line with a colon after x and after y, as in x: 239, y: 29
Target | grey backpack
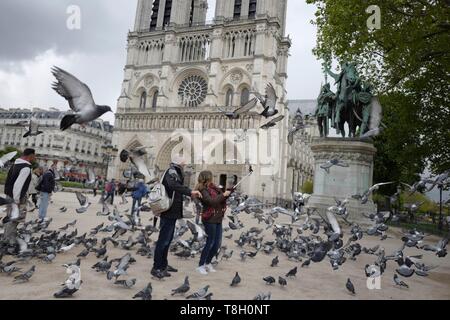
x: 158, y: 199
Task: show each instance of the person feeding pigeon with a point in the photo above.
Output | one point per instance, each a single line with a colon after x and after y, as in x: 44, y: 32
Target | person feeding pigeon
x: 214, y: 207
x: 16, y: 187
x: 173, y: 181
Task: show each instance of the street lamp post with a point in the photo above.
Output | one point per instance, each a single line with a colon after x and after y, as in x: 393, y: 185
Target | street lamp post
x: 440, y: 206
x: 109, y: 152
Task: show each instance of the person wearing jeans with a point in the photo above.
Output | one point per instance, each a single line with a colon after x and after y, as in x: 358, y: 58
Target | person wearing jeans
x: 173, y: 181
x: 139, y: 192
x: 46, y: 187
x: 214, y: 207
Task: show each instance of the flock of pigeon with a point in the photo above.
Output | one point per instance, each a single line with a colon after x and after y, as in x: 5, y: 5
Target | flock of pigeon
x: 309, y: 238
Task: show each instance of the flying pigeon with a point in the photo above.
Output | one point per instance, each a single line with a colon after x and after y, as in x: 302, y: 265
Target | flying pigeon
x: 136, y: 157
x: 79, y: 97
x: 33, y: 130
x: 333, y: 162
x: 240, y: 111
x: 7, y: 157
x: 84, y: 202
x: 272, y: 123
x: 268, y: 102
x: 365, y: 196
x: 376, y: 126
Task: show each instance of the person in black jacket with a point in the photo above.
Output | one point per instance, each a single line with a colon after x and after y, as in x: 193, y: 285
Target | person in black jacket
x: 16, y: 188
x: 46, y: 187
x: 173, y: 181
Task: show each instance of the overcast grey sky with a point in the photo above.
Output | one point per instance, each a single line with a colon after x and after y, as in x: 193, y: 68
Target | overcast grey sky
x: 34, y: 37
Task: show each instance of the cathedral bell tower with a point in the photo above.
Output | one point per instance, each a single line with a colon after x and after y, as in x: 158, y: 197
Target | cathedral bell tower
x: 181, y: 69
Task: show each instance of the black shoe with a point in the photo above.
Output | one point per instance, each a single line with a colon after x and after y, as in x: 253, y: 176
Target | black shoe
x: 171, y: 269
x: 165, y: 273
x: 157, y: 273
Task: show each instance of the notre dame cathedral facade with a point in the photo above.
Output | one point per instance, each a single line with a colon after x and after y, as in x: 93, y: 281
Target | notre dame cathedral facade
x: 183, y: 71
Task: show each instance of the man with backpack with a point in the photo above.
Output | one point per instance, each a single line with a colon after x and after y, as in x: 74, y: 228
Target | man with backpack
x: 16, y: 188
x: 173, y: 181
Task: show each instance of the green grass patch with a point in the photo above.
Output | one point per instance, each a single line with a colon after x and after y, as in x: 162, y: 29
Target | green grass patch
x: 428, y: 228
x: 70, y: 184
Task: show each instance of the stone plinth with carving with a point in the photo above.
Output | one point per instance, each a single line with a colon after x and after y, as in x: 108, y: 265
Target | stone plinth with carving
x: 342, y: 182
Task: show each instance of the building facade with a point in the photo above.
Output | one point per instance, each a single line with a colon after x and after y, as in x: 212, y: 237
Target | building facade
x: 182, y: 72
x: 72, y: 149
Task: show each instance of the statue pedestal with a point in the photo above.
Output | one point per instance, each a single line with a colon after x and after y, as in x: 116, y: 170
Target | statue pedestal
x: 342, y: 182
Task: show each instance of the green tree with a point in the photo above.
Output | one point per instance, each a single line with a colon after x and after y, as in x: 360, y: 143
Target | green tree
x: 407, y: 62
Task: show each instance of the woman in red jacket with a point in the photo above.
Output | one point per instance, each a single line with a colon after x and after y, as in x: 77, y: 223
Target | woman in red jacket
x: 214, y: 207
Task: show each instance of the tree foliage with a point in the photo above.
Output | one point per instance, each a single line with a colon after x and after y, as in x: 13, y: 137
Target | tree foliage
x: 407, y: 62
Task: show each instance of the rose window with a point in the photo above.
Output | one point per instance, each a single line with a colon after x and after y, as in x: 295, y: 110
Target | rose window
x: 192, y: 91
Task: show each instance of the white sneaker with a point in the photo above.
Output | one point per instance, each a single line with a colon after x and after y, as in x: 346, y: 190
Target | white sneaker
x: 202, y: 270
x: 210, y: 268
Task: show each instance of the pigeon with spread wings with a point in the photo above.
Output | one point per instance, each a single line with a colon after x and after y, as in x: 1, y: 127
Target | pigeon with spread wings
x: 33, y: 129
x: 79, y: 97
x: 136, y: 157
x: 269, y: 102
x: 365, y: 196
x: 7, y: 157
x: 272, y: 123
x: 240, y: 111
x: 84, y: 202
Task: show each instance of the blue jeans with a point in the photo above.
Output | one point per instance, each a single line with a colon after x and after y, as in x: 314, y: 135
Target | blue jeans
x: 213, y: 243
x: 167, y: 229
x: 43, y: 205
x: 110, y: 195
x: 138, y: 202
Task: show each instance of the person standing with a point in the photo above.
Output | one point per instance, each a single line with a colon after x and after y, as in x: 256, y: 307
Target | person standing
x: 214, y: 207
x: 139, y: 192
x: 16, y: 188
x: 110, y: 190
x: 96, y: 186
x: 122, y: 190
x: 46, y: 188
x: 173, y: 181
x: 35, y: 179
